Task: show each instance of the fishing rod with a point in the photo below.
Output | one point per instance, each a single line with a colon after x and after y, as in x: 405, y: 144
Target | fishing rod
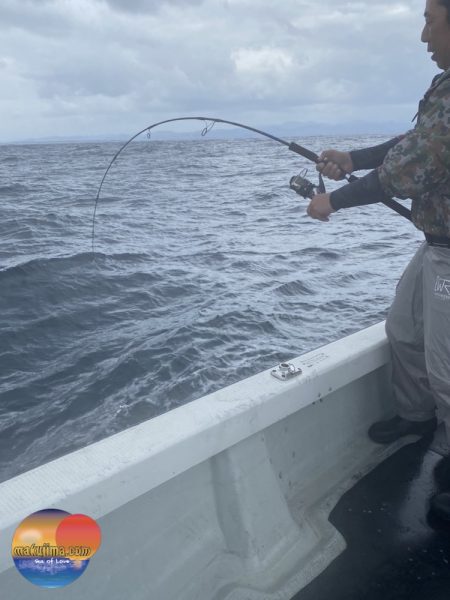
x: 299, y: 184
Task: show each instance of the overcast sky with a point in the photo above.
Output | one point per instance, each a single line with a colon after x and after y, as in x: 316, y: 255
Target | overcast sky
x: 88, y: 67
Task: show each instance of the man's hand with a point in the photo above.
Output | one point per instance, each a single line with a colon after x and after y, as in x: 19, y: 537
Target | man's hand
x: 335, y: 164
x: 320, y: 207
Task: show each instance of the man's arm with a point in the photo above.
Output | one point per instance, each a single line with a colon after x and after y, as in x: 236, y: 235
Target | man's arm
x: 371, y: 158
x: 335, y: 164
x: 366, y: 190
x: 416, y: 165
x: 420, y: 163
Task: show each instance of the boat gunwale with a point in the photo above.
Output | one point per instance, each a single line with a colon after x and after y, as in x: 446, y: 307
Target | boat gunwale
x: 105, y: 475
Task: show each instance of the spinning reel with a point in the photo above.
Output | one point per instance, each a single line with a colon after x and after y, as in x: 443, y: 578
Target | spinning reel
x: 305, y: 188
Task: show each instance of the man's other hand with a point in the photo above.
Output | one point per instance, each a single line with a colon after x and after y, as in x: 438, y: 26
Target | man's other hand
x: 320, y: 207
x: 335, y: 164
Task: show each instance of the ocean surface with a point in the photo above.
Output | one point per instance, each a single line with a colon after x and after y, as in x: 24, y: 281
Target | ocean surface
x: 206, y: 270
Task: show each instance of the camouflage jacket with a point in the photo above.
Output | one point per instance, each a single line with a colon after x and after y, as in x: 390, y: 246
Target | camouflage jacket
x: 418, y: 166
x: 415, y: 165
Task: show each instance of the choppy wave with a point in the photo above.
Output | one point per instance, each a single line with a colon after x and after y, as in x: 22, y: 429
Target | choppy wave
x: 206, y: 270
x: 14, y: 189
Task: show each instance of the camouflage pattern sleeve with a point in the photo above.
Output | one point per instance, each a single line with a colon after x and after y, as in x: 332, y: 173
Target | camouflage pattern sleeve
x: 417, y: 167
x: 420, y: 162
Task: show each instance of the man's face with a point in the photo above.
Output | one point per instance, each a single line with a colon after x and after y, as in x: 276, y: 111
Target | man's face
x: 436, y: 33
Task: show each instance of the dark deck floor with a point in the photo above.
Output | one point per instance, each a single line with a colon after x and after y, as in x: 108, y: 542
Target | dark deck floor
x: 395, y: 549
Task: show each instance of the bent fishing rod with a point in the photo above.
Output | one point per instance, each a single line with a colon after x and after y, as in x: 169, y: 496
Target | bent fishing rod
x: 299, y: 184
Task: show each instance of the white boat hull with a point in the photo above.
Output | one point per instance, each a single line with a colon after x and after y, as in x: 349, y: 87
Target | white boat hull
x: 224, y: 498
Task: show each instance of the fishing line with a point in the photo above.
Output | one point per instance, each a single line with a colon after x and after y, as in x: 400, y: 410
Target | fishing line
x: 209, y: 124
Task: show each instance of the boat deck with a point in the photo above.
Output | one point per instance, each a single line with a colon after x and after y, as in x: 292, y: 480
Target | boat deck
x: 395, y: 549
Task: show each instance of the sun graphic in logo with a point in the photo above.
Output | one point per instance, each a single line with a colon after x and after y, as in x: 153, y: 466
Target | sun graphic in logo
x: 52, y: 548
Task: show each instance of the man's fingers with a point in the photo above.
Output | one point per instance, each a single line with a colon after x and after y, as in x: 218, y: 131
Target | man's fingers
x: 314, y: 215
x: 328, y: 165
x: 320, y: 207
x: 330, y: 170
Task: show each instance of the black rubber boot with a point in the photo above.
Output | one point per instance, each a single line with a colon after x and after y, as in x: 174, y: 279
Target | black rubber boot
x: 385, y: 432
x: 440, y: 506
x: 442, y: 472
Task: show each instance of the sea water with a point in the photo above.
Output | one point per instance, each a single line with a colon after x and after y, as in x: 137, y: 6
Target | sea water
x: 206, y: 270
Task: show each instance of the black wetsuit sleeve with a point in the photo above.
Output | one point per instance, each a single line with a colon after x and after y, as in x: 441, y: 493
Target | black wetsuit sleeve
x: 371, y: 158
x: 366, y: 190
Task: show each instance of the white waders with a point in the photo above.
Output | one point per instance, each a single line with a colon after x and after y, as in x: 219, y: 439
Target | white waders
x: 418, y: 329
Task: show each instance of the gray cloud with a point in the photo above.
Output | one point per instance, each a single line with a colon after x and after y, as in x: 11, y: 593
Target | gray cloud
x: 38, y: 18
x: 85, y: 66
x: 147, y: 6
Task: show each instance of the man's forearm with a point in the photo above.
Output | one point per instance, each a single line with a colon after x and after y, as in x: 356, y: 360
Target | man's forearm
x: 371, y: 158
x: 366, y: 190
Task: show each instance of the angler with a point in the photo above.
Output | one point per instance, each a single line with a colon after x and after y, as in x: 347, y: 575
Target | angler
x: 417, y: 166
